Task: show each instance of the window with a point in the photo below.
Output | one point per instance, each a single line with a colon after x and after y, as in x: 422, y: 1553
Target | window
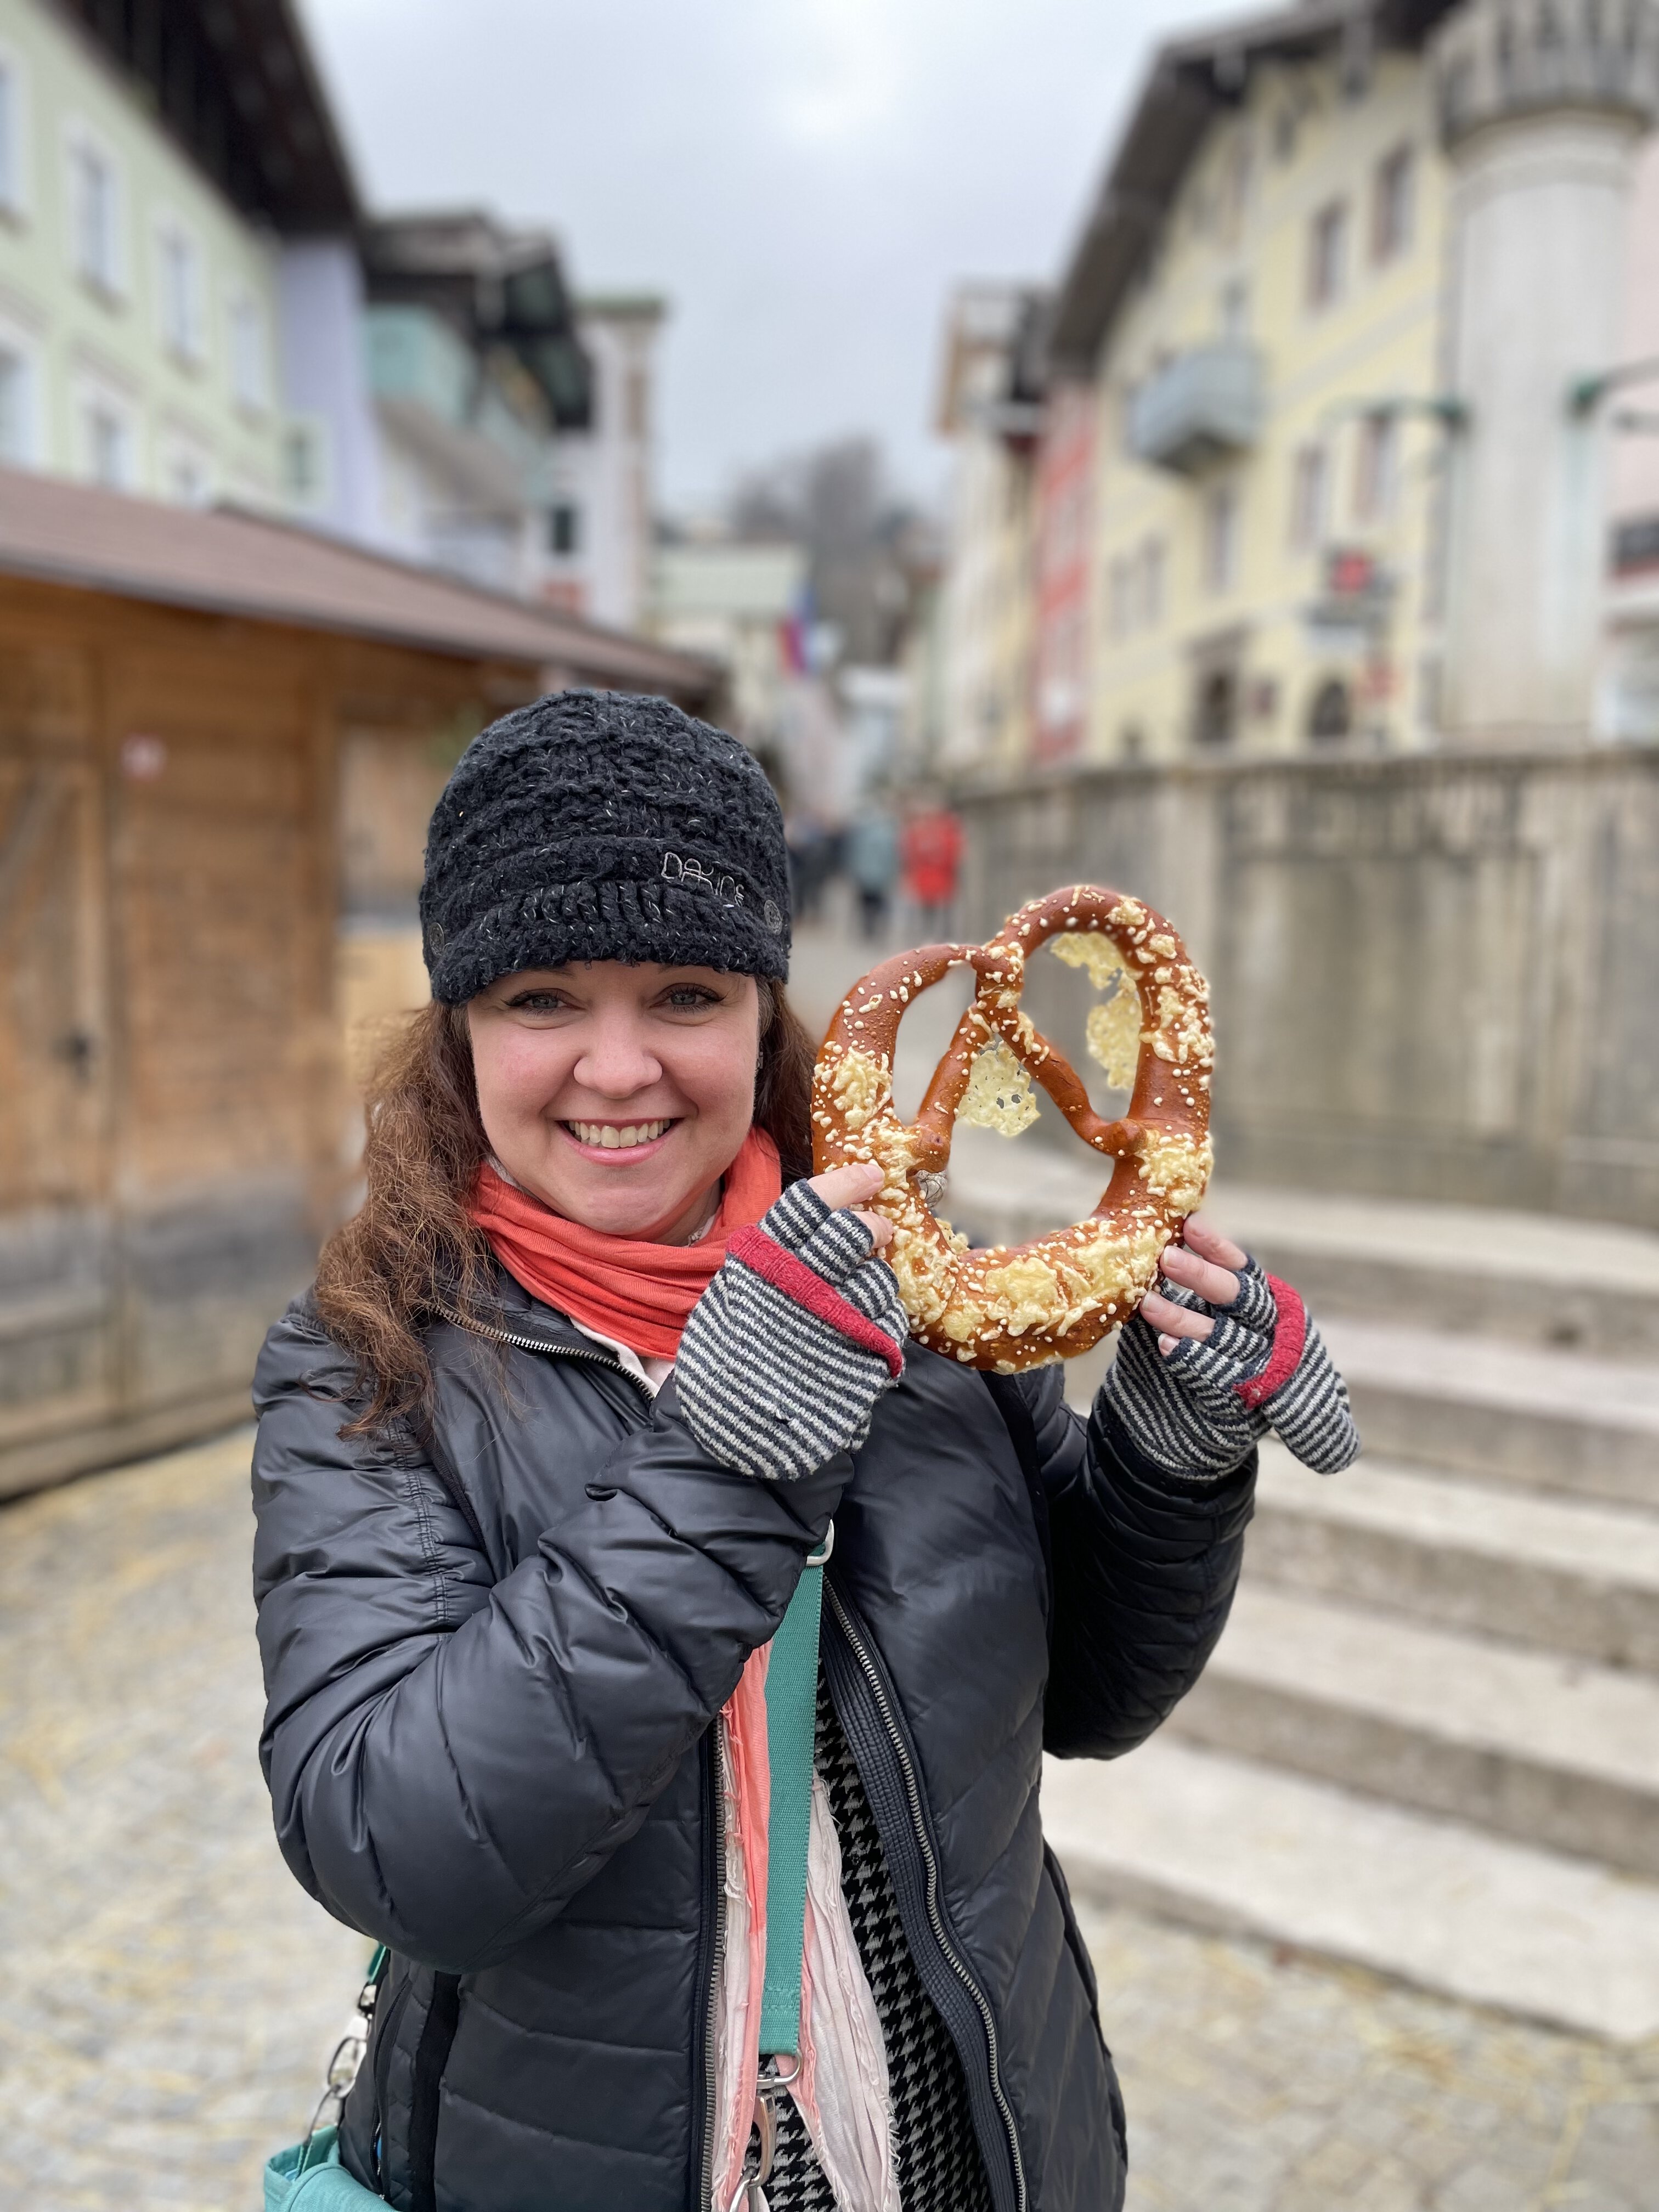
x: 188, y: 479
x: 1327, y: 254
x: 1151, y: 582
x: 16, y: 439
x: 1127, y: 425
x: 109, y: 446
x: 11, y: 136
x: 1391, y: 205
x: 1120, y: 597
x: 1236, y: 181
x: 304, y: 463
x: 94, y: 216
x: 182, y: 320
x: 1060, y: 696
x: 1220, y: 537
x: 1215, y: 708
x: 1374, y: 469
x: 1332, y: 712
x: 1307, y: 499
x: 564, y: 529
x: 250, y: 356
x: 1135, y: 589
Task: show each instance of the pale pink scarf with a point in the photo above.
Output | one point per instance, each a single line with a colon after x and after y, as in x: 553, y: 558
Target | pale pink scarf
x: 841, y: 2087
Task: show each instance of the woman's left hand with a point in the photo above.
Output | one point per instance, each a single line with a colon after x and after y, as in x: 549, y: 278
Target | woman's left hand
x: 1224, y: 1351
x: 1208, y: 1264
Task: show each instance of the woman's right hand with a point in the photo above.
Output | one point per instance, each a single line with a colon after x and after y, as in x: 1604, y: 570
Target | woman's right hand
x: 801, y: 1332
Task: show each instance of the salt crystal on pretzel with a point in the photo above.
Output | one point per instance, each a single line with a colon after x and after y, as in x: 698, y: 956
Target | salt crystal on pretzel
x: 1016, y: 1306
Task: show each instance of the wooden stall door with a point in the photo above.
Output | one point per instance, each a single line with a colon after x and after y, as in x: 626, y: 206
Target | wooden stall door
x: 223, y: 930
x: 59, y: 1369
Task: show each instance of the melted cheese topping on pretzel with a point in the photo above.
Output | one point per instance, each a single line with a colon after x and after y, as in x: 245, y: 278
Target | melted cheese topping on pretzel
x: 1081, y: 948
x: 999, y: 1094
x: 1113, y: 1035
x: 861, y: 1086
x: 1172, y: 1166
x: 1112, y: 1031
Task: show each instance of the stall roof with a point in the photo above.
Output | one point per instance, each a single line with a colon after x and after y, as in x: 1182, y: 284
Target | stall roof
x: 229, y: 561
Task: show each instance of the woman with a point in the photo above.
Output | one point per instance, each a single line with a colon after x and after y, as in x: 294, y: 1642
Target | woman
x: 540, y: 1462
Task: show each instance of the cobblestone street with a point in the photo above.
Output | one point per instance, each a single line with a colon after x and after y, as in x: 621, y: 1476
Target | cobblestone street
x: 173, y: 1995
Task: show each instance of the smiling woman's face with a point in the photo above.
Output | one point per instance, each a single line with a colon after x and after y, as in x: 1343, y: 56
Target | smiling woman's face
x: 617, y: 1095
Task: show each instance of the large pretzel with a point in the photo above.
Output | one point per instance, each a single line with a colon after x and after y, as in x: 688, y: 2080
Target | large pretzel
x: 1015, y: 1306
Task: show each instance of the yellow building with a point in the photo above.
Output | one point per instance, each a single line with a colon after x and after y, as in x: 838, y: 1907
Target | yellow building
x: 1272, y: 434
x: 1347, y: 266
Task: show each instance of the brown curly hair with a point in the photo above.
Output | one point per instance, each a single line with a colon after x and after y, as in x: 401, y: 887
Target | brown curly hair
x: 411, y: 1249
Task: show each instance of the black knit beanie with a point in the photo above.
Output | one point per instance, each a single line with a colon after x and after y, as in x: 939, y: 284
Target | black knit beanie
x: 597, y: 825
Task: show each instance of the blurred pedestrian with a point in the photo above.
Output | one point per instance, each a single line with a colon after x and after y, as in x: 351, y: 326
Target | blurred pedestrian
x: 872, y: 860
x: 932, y: 845
x: 582, y: 1400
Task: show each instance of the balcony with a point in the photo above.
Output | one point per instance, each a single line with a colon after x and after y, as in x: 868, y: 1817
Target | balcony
x: 1199, y: 407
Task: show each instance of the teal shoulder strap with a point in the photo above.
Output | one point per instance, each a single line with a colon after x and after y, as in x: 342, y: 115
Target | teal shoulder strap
x: 792, y: 1704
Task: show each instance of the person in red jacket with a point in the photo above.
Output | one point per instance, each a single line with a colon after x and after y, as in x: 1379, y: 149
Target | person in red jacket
x: 932, y: 852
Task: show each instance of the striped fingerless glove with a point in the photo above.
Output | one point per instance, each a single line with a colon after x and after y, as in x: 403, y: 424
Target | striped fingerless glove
x: 790, y: 1347
x: 1264, y: 1366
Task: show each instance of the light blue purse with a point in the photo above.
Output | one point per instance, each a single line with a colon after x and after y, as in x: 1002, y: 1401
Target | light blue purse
x: 309, y: 2177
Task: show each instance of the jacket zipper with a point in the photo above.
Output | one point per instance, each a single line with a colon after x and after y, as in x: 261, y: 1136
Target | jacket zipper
x: 953, y: 1957
x: 715, y: 1814
x: 590, y: 1352
x: 385, y: 2050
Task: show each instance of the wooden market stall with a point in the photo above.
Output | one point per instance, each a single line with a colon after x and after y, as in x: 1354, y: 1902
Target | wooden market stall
x: 218, y: 736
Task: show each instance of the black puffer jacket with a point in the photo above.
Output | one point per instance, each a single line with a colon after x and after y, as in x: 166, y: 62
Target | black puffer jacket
x: 491, y: 1668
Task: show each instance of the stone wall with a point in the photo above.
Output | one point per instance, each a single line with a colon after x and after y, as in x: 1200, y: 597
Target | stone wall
x: 1437, y: 977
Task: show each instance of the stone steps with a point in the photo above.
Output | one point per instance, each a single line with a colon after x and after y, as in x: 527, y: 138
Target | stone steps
x: 1591, y: 1286
x: 1428, y: 1739
x: 1563, y: 1575
x: 1544, y: 1748
x: 1507, y: 1412
x: 1223, y: 1842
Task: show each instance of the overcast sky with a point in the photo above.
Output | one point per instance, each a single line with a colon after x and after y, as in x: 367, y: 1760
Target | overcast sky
x: 804, y: 180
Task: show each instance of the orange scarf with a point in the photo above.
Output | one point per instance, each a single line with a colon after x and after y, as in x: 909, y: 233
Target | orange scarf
x: 637, y: 1294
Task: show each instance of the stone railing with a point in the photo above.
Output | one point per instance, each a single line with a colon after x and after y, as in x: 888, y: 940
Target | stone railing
x: 1437, y: 977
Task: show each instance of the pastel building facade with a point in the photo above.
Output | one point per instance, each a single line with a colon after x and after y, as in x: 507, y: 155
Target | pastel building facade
x: 989, y: 410
x: 142, y: 234
x: 600, y: 517
x: 194, y: 306
x: 1334, y: 401
x: 1268, y: 454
